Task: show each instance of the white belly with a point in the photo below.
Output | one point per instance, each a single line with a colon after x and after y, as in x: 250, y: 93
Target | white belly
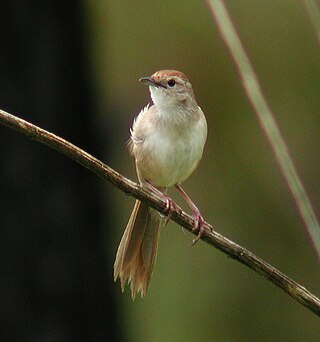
x: 170, y: 157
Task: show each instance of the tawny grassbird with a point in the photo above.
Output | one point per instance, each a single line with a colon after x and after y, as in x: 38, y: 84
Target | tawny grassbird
x: 167, y: 141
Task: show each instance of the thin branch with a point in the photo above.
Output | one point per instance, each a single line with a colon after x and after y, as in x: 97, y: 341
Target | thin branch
x: 314, y: 14
x: 233, y: 250
x: 266, y: 119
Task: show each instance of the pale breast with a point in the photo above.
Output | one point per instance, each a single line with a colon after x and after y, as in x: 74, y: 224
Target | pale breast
x: 166, y: 156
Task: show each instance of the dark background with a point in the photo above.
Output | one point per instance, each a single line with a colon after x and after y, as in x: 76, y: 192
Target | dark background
x: 73, y: 68
x: 54, y: 276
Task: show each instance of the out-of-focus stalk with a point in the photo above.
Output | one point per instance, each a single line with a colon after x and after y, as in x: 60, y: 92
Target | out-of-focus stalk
x: 266, y: 118
x: 314, y: 14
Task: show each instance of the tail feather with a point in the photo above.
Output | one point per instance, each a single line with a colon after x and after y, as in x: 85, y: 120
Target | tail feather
x: 138, y: 247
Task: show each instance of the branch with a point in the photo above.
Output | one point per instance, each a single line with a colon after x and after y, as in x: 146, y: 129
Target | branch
x: 314, y: 14
x: 252, y: 87
x: 233, y: 250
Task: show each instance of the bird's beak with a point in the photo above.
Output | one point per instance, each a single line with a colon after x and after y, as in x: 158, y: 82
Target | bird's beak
x: 151, y: 82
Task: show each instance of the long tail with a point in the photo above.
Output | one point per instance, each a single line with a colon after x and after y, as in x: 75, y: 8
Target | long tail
x: 138, y: 247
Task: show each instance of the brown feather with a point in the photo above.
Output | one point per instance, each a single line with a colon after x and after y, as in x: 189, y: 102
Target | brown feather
x: 138, y: 249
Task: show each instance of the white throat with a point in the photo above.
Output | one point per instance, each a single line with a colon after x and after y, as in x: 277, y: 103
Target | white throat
x: 172, y: 109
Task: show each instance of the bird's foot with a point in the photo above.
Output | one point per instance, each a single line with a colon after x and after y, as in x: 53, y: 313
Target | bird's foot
x: 170, y: 205
x: 198, y: 225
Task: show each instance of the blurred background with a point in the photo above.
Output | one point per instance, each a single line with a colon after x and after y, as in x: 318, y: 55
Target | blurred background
x: 73, y: 68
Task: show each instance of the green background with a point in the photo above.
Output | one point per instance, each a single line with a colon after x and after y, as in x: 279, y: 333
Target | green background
x: 197, y: 293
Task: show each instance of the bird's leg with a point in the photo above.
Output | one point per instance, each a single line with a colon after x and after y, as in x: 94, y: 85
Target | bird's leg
x: 198, y: 219
x: 170, y: 205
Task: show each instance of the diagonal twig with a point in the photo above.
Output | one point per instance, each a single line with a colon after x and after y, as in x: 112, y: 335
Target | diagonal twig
x: 314, y: 14
x: 266, y: 119
x: 233, y: 250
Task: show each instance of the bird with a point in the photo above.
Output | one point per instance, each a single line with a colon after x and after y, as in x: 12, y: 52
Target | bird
x: 167, y: 142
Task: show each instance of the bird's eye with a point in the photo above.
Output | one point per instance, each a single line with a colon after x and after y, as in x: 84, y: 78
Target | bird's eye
x: 171, y: 83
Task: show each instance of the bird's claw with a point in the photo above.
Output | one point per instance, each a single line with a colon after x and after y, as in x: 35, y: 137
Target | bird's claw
x: 198, y: 225
x: 170, y: 206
